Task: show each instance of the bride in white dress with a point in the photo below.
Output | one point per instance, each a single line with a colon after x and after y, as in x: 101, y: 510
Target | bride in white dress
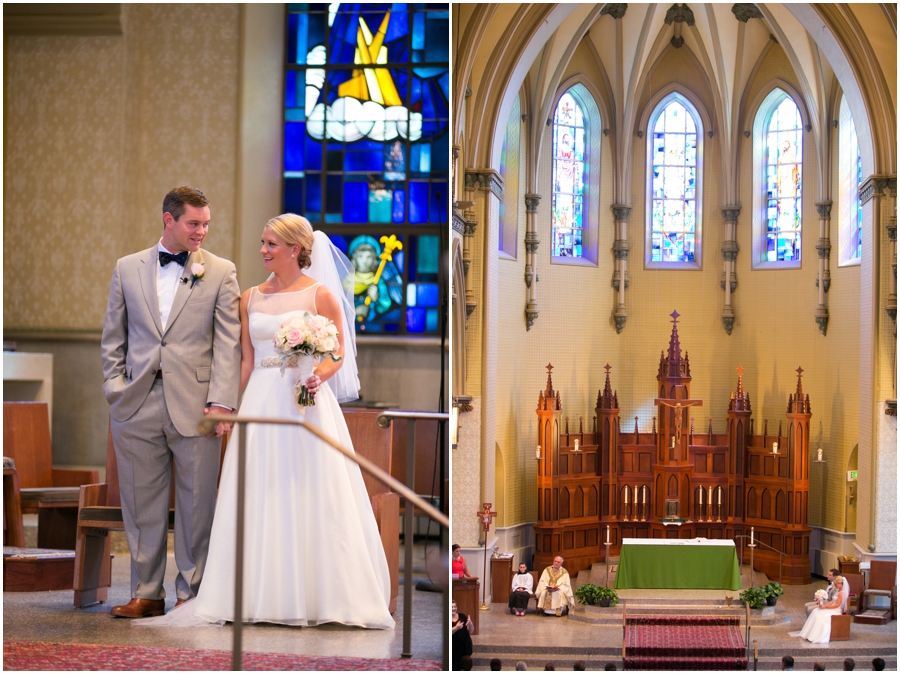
x: 312, y: 551
x: 817, y: 628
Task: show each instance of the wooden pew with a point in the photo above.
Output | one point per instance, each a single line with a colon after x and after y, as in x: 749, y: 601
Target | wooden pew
x: 50, y: 492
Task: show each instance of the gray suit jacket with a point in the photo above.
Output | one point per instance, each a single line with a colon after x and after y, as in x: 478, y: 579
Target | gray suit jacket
x: 199, y: 350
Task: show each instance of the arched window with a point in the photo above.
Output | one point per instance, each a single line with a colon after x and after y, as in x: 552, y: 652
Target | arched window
x: 509, y: 169
x: 567, y: 219
x: 675, y: 134
x: 849, y: 179
x: 778, y: 144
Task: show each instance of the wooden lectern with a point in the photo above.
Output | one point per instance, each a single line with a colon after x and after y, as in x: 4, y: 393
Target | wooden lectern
x: 466, y: 595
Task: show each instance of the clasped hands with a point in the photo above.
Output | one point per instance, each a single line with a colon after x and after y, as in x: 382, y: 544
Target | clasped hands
x: 313, y: 384
x: 222, y: 427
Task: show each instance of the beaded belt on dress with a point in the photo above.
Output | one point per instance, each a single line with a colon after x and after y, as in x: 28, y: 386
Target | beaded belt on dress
x: 275, y: 361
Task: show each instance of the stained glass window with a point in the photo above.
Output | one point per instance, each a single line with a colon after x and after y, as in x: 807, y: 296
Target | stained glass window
x: 366, y: 149
x: 849, y: 211
x: 673, y: 158
x: 569, y: 137
x: 784, y: 178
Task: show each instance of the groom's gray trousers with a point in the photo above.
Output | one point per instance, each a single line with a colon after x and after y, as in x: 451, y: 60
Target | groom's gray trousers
x: 146, y: 445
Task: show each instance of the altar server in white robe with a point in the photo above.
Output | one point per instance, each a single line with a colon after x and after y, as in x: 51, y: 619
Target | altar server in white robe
x: 522, y: 586
x: 554, y: 590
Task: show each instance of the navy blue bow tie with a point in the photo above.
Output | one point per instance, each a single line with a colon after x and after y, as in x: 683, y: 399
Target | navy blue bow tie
x: 165, y: 258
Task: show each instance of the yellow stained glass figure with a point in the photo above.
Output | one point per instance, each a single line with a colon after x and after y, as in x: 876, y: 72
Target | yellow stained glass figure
x: 371, y: 84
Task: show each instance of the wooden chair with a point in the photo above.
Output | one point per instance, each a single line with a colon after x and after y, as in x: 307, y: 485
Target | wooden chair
x: 13, y: 529
x: 882, y: 583
x: 50, y: 492
x: 856, y: 582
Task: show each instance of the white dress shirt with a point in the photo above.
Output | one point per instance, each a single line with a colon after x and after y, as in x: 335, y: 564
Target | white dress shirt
x: 167, y: 279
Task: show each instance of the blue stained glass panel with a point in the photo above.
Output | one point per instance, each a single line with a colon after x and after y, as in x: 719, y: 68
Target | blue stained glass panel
x: 380, y: 202
x: 415, y: 320
x: 398, y: 211
x: 313, y: 155
x: 431, y: 320
x: 436, y: 42
x: 355, y: 201
x: 313, y: 195
x: 369, y: 160
x: 418, y: 34
x: 294, y: 133
x: 418, y: 202
x: 427, y: 295
x: 290, y: 89
x: 428, y: 257
x: 438, y: 203
x: 293, y: 195
x: 334, y: 196
x: 293, y: 21
x: 783, y: 176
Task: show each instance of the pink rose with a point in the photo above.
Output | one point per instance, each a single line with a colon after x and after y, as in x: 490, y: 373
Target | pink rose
x: 318, y: 322
x: 294, y: 337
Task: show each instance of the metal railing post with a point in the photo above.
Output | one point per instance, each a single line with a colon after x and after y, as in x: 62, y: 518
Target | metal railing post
x: 408, y: 539
x: 238, y: 623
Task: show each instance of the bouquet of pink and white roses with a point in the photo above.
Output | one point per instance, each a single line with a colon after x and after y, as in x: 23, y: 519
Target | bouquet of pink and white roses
x: 821, y: 595
x: 301, y: 341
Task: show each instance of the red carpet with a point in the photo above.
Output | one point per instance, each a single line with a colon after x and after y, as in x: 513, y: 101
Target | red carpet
x: 37, y: 656
x: 684, y: 643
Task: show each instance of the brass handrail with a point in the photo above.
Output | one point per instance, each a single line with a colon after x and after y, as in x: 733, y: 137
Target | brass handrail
x: 208, y: 424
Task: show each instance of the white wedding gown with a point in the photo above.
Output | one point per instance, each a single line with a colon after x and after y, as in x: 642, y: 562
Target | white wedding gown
x: 312, y: 551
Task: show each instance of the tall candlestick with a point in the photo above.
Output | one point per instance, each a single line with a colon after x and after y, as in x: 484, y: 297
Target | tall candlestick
x: 607, y: 533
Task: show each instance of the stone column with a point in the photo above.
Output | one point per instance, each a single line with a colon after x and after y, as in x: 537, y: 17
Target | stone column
x: 621, y: 249
x: 823, y: 247
x: 531, y: 247
x: 730, y: 250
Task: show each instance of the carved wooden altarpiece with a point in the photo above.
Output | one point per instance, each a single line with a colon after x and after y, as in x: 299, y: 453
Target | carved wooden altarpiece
x: 672, y: 482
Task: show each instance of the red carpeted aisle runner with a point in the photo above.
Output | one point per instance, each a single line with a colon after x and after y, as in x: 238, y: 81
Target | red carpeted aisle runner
x: 37, y: 656
x: 684, y: 643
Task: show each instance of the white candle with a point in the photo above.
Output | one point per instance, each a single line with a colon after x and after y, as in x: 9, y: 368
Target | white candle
x: 819, y: 454
x: 774, y: 448
x: 607, y: 533
x: 626, y: 495
x: 720, y: 497
x: 644, y: 495
x: 710, y: 496
x: 701, y: 495
x: 673, y: 442
x: 751, y: 535
x: 537, y: 454
x: 577, y: 442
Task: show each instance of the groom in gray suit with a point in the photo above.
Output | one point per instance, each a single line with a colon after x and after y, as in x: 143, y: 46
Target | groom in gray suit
x: 171, y: 353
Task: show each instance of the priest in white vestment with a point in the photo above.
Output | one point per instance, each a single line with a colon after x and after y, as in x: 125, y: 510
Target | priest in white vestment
x: 554, y: 590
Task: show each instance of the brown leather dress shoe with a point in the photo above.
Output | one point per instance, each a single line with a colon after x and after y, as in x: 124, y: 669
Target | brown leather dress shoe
x: 139, y: 608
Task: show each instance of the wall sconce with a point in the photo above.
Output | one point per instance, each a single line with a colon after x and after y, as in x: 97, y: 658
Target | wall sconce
x: 820, y: 456
x: 774, y: 448
x: 460, y: 404
x: 537, y: 454
x: 577, y: 445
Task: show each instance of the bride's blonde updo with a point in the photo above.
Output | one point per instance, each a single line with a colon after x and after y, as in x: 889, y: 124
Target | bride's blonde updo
x: 294, y: 230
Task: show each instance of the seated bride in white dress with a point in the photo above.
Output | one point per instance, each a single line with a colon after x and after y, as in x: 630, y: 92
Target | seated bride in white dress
x: 312, y: 551
x: 817, y: 628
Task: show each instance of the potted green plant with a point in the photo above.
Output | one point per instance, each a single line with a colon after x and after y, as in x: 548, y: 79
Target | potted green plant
x: 592, y: 594
x: 589, y: 594
x: 755, y: 597
x: 773, y: 591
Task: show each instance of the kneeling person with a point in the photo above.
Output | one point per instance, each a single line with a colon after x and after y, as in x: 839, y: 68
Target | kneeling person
x: 554, y: 590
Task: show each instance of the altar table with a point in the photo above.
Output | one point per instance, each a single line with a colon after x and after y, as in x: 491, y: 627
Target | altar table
x: 678, y: 564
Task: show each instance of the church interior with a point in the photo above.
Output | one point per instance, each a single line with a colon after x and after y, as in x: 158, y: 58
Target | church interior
x: 108, y: 107
x: 674, y: 298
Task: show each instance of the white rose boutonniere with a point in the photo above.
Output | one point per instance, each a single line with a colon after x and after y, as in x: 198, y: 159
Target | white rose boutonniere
x: 197, y: 271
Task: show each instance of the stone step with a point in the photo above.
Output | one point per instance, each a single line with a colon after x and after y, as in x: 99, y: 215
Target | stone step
x: 612, y: 615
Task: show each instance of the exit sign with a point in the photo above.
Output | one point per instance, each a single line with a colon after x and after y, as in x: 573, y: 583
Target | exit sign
x: 851, y: 476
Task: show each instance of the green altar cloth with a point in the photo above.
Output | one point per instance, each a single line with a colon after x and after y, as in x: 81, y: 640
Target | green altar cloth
x: 678, y: 566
